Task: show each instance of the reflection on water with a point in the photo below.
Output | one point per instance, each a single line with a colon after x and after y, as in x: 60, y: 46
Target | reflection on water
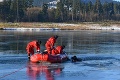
x: 47, y: 71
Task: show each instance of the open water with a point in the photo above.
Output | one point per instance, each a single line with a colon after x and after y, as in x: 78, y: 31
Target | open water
x: 99, y: 50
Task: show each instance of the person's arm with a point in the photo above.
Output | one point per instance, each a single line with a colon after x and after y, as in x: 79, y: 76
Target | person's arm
x: 53, y: 43
x: 37, y: 47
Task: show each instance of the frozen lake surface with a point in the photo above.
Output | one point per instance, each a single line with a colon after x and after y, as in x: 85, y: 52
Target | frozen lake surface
x: 99, y: 51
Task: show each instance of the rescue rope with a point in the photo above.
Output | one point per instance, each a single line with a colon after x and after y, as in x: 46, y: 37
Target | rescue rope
x: 3, y: 76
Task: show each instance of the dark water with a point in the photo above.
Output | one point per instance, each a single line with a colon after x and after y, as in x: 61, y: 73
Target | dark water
x: 98, y: 49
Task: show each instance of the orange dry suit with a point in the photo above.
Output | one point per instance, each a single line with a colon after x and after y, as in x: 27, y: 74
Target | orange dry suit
x: 50, y: 44
x: 31, y: 45
x: 57, y: 50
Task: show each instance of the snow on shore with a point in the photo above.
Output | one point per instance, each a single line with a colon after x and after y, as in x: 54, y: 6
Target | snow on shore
x: 30, y: 29
x: 65, y: 26
x: 105, y: 27
x: 89, y: 26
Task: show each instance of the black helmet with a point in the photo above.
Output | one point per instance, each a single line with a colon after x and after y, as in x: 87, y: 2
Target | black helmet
x: 74, y: 59
x: 39, y: 41
x: 63, y: 46
x: 55, y: 36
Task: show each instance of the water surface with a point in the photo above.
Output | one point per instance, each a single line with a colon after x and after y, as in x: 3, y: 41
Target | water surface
x: 98, y: 49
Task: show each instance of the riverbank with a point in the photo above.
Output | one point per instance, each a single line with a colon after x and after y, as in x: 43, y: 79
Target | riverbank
x: 63, y: 26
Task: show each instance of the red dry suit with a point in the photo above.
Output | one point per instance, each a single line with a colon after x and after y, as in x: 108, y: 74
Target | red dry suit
x: 31, y: 45
x: 50, y: 44
x: 57, y: 50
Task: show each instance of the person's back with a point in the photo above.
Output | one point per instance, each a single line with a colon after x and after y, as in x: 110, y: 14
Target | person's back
x: 31, y: 46
x: 50, y: 44
x: 58, y: 50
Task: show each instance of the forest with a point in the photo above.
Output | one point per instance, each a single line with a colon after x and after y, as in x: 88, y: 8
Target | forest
x: 66, y: 11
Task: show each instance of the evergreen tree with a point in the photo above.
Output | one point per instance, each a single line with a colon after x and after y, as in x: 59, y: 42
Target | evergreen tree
x: 105, y: 10
x: 111, y: 10
x: 59, y: 11
x: 68, y: 4
x: 12, y: 10
x: 45, y: 12
x: 90, y: 11
x: 98, y: 9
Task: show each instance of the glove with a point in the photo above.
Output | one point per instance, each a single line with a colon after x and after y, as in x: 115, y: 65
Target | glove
x: 38, y: 51
x: 53, y: 47
x: 29, y: 58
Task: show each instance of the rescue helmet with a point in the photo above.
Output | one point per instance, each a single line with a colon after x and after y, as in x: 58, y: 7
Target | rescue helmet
x: 63, y: 46
x: 38, y: 41
x: 56, y: 36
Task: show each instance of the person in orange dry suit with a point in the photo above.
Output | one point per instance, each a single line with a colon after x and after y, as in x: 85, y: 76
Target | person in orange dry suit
x: 50, y: 44
x: 31, y: 46
x: 58, y: 50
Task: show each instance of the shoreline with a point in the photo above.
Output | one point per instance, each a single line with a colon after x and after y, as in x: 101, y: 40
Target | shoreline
x: 60, y: 26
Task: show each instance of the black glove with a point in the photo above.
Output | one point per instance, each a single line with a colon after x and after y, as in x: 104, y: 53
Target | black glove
x: 28, y: 57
